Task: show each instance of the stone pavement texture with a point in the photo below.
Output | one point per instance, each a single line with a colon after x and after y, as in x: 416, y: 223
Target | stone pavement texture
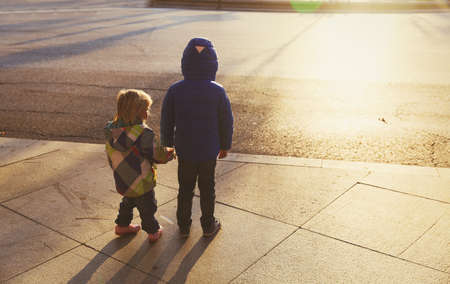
x: 310, y: 5
x: 285, y: 220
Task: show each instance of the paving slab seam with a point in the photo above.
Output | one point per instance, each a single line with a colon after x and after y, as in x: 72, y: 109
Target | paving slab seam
x: 53, y: 230
x: 120, y: 261
x: 27, y: 193
x: 254, y: 213
x: 66, y: 236
x: 229, y: 171
x: 373, y: 250
x: 277, y: 164
x: 30, y: 158
x: 340, y: 11
x: 70, y: 10
x: 218, y: 176
x: 257, y: 260
x: 61, y: 138
x: 330, y: 164
x: 423, y: 234
x: 59, y: 187
x: 39, y: 223
x: 138, y: 216
x: 52, y: 112
x: 75, y: 84
x: 380, y: 167
x: 331, y: 202
x: 405, y: 193
x: 49, y: 186
x: 168, y: 201
x: 42, y: 263
x: 275, y: 160
x: 7, y: 200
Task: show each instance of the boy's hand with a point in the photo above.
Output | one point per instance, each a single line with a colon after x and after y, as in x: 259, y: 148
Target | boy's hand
x: 223, y: 154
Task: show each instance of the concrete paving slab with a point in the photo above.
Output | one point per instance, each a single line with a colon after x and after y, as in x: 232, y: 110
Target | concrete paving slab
x: 45, y: 170
x: 83, y: 265
x: 224, y: 167
x: 167, y: 174
x: 244, y: 238
x: 433, y: 187
x: 82, y: 208
x: 69, y: 212
x: 25, y: 244
x: 433, y: 248
x: 443, y: 172
x: 13, y: 150
x: 286, y: 193
x: 99, y: 184
x: 307, y: 257
x: 379, y: 219
x: 275, y: 160
x: 379, y: 167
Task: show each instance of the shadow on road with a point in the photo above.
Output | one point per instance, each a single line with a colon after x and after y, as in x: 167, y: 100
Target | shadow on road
x: 62, y: 51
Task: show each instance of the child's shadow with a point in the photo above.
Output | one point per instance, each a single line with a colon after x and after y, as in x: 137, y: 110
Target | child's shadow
x: 88, y: 271
x: 159, y: 266
x: 190, y: 259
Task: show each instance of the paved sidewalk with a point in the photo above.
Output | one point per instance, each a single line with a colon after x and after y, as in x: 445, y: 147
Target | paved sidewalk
x: 326, y: 6
x: 285, y: 220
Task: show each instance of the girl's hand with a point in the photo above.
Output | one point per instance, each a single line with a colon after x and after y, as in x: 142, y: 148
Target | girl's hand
x: 171, y: 152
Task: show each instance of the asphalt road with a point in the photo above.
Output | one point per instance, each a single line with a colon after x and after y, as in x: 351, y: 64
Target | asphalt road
x: 361, y: 87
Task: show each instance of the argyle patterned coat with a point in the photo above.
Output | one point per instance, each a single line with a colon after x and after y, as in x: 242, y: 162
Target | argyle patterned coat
x: 130, y: 154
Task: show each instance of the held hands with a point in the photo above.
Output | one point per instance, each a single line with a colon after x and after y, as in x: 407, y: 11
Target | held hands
x: 223, y: 154
x: 171, y: 153
x: 163, y: 155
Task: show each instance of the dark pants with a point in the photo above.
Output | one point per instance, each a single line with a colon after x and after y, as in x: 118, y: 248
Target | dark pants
x: 188, y: 172
x: 146, y: 205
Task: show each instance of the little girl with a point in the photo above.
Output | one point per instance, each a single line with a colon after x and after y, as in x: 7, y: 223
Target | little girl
x: 131, y: 155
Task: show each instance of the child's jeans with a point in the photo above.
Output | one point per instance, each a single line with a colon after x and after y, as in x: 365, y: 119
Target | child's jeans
x: 146, y: 205
x: 188, y: 171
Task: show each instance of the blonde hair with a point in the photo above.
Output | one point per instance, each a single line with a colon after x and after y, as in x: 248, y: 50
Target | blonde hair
x: 131, y: 104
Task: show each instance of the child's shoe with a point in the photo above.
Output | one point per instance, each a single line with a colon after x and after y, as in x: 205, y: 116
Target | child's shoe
x: 155, y: 236
x: 213, y: 229
x: 184, y: 232
x: 130, y: 229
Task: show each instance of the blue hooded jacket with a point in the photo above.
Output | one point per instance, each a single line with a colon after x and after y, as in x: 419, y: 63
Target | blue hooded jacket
x: 196, y: 114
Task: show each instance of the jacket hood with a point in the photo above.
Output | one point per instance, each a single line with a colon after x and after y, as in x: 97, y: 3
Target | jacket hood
x: 122, y: 138
x: 199, y: 60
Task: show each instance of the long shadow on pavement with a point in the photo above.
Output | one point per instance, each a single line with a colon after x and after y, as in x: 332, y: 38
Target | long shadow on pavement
x: 190, y: 260
x: 86, y: 273
x: 159, y: 267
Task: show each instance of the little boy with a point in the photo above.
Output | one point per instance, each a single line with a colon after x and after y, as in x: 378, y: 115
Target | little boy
x: 196, y: 118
